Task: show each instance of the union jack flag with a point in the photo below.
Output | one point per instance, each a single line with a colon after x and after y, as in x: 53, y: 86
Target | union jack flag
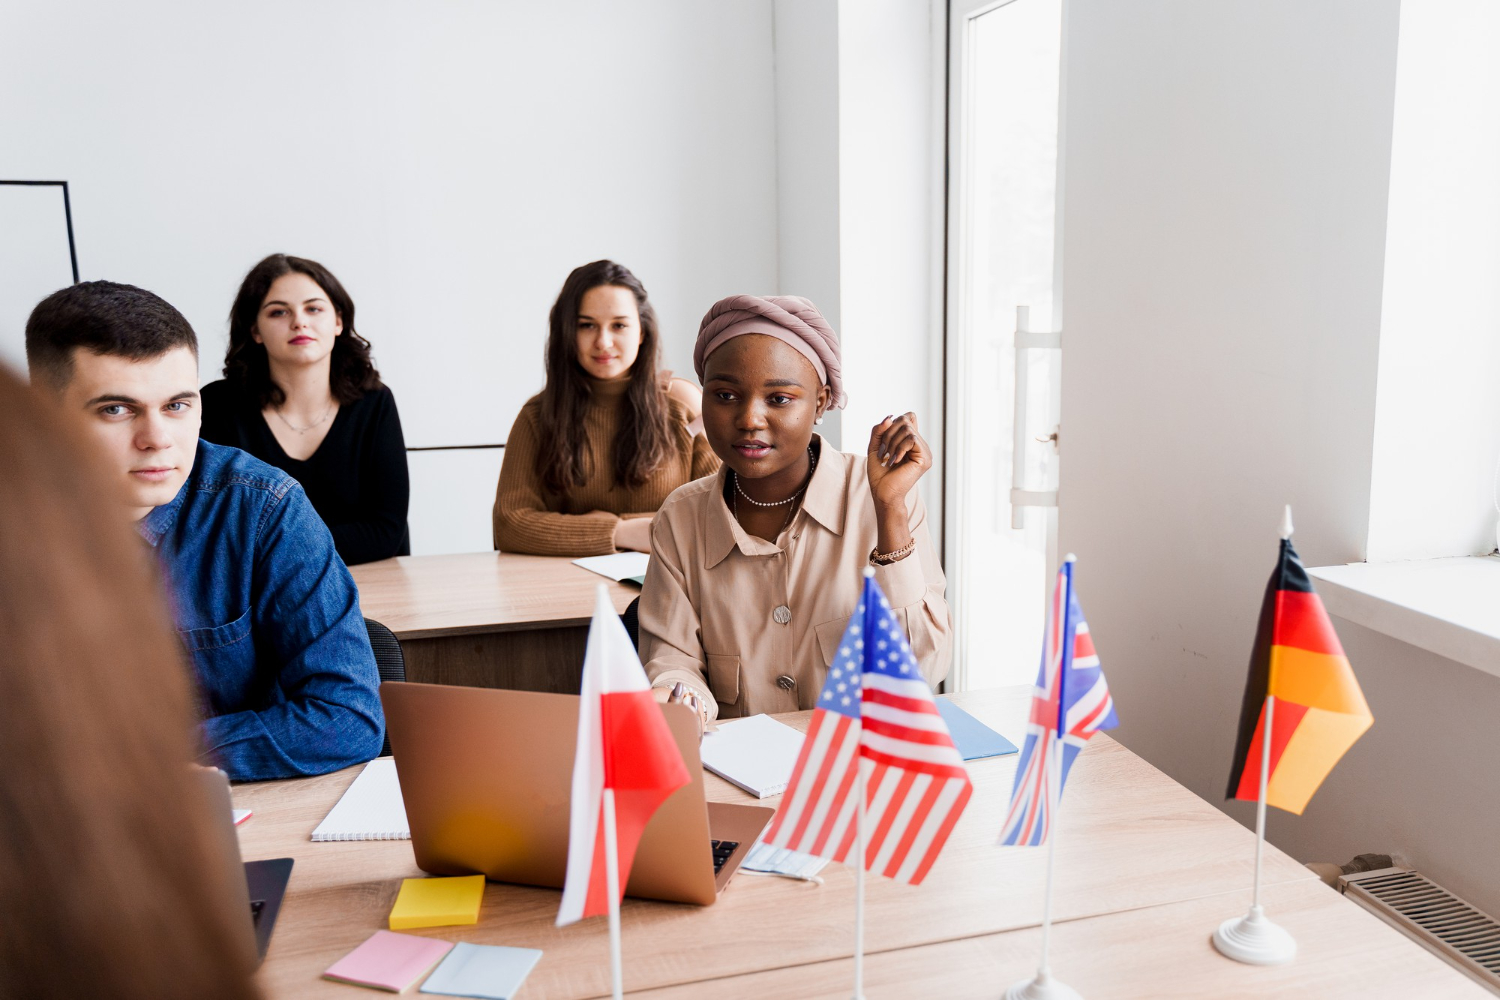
x: 1070, y: 698
x: 876, y: 713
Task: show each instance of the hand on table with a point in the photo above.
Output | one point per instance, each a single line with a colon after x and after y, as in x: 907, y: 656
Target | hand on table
x: 682, y: 694
x: 633, y: 533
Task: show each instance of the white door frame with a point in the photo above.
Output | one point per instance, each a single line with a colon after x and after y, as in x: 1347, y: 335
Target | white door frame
x: 959, y: 15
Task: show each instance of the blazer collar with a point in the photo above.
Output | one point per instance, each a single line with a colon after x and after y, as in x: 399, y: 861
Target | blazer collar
x: 826, y: 502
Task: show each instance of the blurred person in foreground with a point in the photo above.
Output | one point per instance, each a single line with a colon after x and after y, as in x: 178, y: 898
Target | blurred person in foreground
x: 106, y: 838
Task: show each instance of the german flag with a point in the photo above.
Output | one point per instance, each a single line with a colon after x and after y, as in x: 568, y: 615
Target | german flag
x: 1319, y: 710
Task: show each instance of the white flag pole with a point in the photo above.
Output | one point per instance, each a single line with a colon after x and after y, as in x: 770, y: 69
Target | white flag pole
x: 612, y: 886
x: 1260, y: 801
x: 1253, y: 939
x: 1043, y: 986
x: 1043, y: 972
x: 859, y: 879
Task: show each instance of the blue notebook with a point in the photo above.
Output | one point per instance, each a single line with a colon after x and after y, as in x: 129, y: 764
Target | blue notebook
x: 487, y: 971
x: 973, y: 738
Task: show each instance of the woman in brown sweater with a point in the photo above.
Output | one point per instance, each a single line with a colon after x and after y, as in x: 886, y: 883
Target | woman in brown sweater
x: 591, y: 458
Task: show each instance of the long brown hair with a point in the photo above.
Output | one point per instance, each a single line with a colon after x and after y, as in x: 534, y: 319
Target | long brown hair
x: 352, y: 372
x: 105, y: 838
x: 644, y: 438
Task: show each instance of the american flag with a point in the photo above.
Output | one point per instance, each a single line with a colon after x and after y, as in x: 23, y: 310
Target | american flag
x: 1071, y: 697
x: 875, y: 712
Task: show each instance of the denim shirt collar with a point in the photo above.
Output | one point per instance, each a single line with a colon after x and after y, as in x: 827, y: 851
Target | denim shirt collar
x: 160, y: 519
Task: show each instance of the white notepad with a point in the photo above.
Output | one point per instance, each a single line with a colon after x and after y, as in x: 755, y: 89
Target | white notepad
x: 370, y: 809
x: 622, y: 567
x: 757, y: 754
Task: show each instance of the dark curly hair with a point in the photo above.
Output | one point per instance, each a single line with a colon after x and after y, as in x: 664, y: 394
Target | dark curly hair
x: 245, y: 365
x: 644, y: 438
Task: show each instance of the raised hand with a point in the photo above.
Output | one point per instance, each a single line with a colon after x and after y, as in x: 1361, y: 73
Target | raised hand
x: 898, y: 457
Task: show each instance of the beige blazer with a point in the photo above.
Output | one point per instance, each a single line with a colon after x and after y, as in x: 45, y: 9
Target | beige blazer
x: 753, y: 625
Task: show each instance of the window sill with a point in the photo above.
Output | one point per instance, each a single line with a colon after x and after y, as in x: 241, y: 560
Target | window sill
x: 1450, y: 607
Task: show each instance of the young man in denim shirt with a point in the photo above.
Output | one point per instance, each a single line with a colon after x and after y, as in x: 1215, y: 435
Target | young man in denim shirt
x: 262, y: 601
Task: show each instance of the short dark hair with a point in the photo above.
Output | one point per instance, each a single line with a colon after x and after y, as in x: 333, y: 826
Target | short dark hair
x: 351, y: 373
x: 104, y: 317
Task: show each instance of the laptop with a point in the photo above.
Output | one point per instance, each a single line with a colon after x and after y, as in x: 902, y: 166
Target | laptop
x: 487, y: 777
x: 256, y: 887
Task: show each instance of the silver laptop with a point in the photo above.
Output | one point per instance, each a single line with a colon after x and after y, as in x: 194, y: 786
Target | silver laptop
x: 487, y: 777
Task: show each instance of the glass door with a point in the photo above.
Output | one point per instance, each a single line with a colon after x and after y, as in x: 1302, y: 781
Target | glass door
x: 1003, y: 146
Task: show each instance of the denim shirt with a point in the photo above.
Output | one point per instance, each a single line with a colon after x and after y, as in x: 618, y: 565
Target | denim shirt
x: 270, y: 616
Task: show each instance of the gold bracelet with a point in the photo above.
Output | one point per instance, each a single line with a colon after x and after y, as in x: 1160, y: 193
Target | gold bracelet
x: 892, y: 557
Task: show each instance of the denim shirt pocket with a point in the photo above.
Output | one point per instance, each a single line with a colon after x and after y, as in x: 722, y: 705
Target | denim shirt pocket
x: 206, y: 640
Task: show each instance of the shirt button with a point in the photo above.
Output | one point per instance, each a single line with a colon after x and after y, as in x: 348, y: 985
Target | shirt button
x: 785, y: 682
x: 782, y: 614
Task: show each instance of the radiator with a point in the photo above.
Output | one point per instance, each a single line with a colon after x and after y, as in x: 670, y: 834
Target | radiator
x: 1464, y: 936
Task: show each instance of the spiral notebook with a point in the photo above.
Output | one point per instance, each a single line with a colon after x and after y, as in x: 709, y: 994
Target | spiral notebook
x: 370, y: 809
x: 757, y: 753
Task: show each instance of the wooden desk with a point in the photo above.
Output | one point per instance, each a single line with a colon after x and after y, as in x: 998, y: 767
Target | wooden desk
x: 487, y: 619
x: 1130, y: 839
x: 1156, y: 953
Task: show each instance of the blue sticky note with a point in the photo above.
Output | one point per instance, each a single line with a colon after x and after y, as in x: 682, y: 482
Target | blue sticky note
x: 482, y: 970
x: 973, y: 738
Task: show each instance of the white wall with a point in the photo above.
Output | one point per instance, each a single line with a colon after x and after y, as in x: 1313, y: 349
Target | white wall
x: 1227, y: 263
x: 450, y: 161
x: 886, y: 218
x: 858, y: 226
x: 807, y: 161
x: 1226, y: 175
x: 1437, y: 414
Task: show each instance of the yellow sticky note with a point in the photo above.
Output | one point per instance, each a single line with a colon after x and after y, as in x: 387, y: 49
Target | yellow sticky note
x: 437, y: 902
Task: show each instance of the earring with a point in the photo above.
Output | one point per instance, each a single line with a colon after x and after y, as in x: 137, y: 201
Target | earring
x: 819, y: 419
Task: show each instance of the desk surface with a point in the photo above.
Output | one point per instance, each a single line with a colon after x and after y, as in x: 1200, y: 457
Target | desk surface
x: 420, y: 597
x: 1130, y: 838
x: 1156, y: 953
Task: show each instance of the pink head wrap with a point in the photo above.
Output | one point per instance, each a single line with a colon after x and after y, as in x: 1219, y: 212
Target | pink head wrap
x: 791, y: 319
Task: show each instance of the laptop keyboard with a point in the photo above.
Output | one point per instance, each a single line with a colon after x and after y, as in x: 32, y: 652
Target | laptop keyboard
x: 722, y: 850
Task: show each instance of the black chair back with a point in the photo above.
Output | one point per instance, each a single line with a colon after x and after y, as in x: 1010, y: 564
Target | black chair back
x: 388, y: 660
x: 632, y: 622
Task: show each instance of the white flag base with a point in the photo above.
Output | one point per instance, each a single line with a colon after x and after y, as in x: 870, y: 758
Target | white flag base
x: 1255, y: 940
x: 1042, y: 987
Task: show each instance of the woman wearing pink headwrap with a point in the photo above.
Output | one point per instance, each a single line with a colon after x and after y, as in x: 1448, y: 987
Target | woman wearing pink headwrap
x: 756, y: 570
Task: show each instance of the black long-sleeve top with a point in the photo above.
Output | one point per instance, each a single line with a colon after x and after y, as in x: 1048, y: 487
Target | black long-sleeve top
x: 357, y: 479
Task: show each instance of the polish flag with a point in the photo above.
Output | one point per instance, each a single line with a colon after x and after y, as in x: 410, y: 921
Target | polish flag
x: 625, y: 752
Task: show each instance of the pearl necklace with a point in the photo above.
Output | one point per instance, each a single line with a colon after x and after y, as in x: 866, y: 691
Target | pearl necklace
x: 812, y: 465
x: 734, y: 505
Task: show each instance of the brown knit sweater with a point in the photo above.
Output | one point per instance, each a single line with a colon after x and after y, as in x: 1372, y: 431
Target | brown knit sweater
x: 529, y: 518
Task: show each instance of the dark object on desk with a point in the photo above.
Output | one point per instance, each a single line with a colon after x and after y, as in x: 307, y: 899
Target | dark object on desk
x: 471, y: 809
x: 631, y: 619
x: 389, y: 660
x: 723, y: 851
x: 256, y: 888
x: 266, y: 881
x: 973, y: 738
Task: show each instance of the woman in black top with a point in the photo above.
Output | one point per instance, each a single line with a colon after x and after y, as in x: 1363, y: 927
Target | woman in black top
x: 301, y: 393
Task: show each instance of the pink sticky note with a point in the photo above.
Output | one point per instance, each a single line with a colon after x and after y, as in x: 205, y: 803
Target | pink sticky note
x: 388, y: 961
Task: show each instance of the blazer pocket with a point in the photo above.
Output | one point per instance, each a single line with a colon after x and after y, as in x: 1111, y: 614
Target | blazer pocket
x: 830, y: 636
x: 724, y: 677
x: 199, y: 639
